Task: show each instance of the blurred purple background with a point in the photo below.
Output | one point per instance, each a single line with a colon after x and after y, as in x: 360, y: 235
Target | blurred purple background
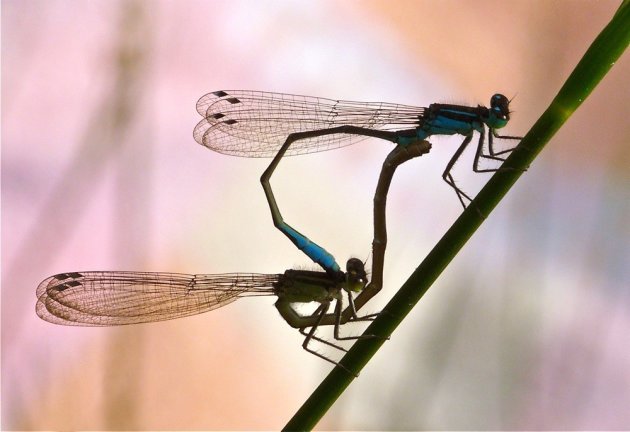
x: 527, y: 329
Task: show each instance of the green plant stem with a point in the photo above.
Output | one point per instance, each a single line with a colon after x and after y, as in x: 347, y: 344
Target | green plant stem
x: 598, y: 59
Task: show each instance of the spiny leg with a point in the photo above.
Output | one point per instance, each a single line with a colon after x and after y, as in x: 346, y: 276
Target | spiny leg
x: 353, y: 311
x: 480, y: 154
x: 493, y: 133
x: 448, y: 178
x: 311, y: 335
x: 492, y: 154
x: 302, y: 323
x: 338, y: 324
x: 322, y: 340
x: 313, y: 321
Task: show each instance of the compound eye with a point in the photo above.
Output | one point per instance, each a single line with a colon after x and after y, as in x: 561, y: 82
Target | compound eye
x: 499, y: 113
x: 498, y: 100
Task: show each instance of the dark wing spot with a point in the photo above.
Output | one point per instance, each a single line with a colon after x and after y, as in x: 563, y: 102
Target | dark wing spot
x: 66, y: 285
x: 64, y: 276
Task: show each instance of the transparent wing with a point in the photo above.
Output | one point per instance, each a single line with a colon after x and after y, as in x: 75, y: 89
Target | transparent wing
x: 256, y: 124
x: 116, y: 298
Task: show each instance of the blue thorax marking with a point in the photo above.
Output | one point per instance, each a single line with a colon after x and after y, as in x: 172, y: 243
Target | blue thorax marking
x: 442, y: 119
x: 456, y: 113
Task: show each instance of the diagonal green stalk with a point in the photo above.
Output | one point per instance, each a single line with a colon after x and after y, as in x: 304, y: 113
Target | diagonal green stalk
x: 596, y: 62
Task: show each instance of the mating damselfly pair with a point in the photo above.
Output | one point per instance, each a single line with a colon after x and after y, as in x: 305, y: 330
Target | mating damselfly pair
x: 262, y: 124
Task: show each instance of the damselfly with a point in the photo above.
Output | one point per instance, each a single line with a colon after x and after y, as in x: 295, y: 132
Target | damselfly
x: 261, y: 124
x: 109, y: 298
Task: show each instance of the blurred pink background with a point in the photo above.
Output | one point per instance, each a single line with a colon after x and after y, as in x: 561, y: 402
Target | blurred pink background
x: 527, y: 329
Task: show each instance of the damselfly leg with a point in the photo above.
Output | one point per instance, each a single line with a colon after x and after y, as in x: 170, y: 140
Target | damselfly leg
x: 479, y: 153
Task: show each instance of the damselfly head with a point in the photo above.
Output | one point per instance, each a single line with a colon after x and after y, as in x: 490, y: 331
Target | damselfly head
x: 499, y: 113
x: 356, y: 276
